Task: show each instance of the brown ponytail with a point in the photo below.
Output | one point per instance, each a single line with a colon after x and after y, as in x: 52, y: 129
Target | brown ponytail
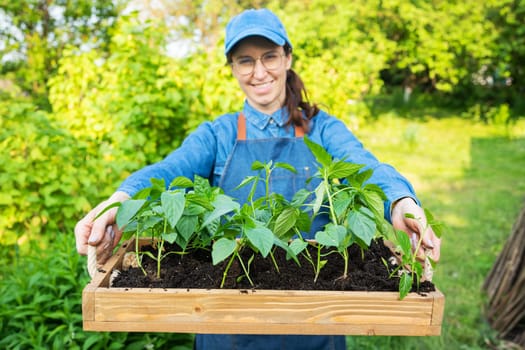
x: 296, y: 101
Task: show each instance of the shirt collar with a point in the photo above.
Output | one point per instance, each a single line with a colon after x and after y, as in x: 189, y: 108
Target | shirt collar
x: 261, y: 120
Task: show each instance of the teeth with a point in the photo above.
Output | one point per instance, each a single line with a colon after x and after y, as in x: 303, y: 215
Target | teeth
x: 262, y: 85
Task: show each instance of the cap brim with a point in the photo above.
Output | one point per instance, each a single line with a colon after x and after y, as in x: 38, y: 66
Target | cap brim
x: 272, y: 36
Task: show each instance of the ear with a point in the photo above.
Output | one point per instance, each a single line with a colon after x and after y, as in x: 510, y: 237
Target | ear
x: 288, y: 61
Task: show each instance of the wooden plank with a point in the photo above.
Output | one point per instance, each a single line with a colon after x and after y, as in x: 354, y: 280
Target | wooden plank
x: 248, y: 328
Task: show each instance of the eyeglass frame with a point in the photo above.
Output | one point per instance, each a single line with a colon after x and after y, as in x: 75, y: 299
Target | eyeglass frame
x: 233, y: 62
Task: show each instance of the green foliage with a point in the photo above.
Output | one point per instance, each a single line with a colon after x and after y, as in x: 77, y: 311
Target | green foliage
x: 46, y: 176
x: 134, y: 102
x: 219, y: 223
x: 41, y: 305
x: 34, y: 34
x: 172, y: 215
x: 355, y: 208
x: 411, y: 267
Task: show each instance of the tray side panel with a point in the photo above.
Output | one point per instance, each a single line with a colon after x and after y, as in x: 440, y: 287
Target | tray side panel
x: 260, y: 312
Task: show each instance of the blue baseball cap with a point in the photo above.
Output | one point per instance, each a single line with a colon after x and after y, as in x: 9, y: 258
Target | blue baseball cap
x: 261, y: 22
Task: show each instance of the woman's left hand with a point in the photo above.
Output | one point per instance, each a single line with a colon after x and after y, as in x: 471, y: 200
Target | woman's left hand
x: 416, y: 227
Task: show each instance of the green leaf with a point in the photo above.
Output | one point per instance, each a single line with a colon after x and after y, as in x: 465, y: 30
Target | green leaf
x: 403, y: 242
x: 187, y: 225
x: 285, y: 221
x: 173, y: 206
x: 362, y: 224
x: 169, y: 237
x: 359, y: 179
x: 158, y: 184
x: 247, y: 180
x: 143, y: 194
x: 405, y: 285
x: 223, y: 204
x: 127, y: 210
x: 261, y: 238
x: 256, y: 165
x: 201, y: 185
x: 304, y: 222
x: 181, y: 182
x: 438, y: 227
x: 342, y: 169
x: 197, y: 203
x: 286, y: 166
x: 320, y: 154
x: 300, y: 197
x: 332, y: 236
x: 112, y: 205
x: 342, y: 202
x: 320, y: 192
x: 222, y: 249
x: 374, y: 202
x: 297, y: 246
x: 375, y: 188
x: 149, y: 221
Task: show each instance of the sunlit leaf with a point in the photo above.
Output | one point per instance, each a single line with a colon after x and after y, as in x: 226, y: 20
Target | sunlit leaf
x: 222, y: 249
x: 262, y: 238
x: 173, y: 206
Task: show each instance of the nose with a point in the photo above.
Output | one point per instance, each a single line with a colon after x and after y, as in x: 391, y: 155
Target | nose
x: 259, y: 70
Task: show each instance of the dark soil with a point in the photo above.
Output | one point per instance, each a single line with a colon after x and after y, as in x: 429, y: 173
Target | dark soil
x: 367, y: 272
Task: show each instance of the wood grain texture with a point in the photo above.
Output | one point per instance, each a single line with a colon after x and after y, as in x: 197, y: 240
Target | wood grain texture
x: 257, y: 311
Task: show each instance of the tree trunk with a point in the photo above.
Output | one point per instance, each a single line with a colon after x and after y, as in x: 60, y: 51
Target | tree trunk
x: 505, y: 287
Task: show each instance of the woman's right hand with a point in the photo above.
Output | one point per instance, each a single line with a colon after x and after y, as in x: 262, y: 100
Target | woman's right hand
x: 101, y: 232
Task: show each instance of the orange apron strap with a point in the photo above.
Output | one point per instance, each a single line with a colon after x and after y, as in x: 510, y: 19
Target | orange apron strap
x: 241, y: 128
x: 299, y: 131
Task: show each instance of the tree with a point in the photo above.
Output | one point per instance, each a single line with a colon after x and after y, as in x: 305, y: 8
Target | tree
x: 508, y: 51
x: 37, y: 31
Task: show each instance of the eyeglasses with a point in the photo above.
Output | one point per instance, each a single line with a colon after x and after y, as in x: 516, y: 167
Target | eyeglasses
x: 245, y: 65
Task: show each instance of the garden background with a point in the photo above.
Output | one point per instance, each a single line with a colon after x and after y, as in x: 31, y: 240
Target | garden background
x: 93, y: 90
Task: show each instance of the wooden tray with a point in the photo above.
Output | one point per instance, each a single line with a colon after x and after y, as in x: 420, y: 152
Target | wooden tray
x: 229, y: 311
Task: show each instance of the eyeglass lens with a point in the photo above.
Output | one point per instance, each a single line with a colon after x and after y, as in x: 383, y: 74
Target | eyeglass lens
x: 246, y: 65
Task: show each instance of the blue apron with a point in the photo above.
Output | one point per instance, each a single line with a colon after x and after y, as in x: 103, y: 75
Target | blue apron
x: 238, y: 166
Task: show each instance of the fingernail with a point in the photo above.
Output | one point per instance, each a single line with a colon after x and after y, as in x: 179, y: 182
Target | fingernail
x: 92, y: 239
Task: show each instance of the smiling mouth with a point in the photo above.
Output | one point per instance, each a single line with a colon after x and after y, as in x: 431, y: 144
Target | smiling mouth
x: 262, y: 85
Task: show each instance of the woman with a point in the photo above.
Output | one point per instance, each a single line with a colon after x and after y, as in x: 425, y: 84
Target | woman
x: 275, y: 116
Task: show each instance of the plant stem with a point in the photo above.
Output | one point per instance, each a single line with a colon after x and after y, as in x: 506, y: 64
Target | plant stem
x: 274, y: 262
x: 329, y: 195
x: 225, y: 273
x: 245, y: 270
x: 318, y: 264
x: 137, y: 253
x: 160, y: 248
x: 345, y: 257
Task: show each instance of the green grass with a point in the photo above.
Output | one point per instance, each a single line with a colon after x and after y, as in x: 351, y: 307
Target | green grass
x: 472, y: 177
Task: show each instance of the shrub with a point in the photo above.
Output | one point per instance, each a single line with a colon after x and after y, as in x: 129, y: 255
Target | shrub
x: 41, y: 305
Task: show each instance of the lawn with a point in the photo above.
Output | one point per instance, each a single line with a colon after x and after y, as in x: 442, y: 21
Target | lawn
x: 472, y: 177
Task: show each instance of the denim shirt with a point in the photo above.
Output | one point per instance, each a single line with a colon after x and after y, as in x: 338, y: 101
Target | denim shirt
x: 205, y: 151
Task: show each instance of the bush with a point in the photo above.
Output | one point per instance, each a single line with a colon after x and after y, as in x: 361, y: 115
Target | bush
x: 41, y: 305
x: 46, y: 176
